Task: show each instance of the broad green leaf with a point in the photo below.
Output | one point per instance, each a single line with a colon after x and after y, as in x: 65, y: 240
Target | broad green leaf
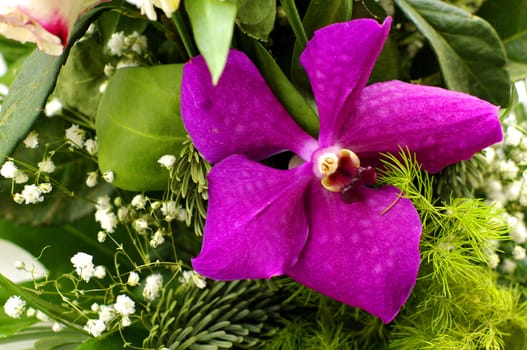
x: 212, y: 23
x: 469, y: 51
x: 10, y: 326
x: 14, y: 54
x: 56, y: 245
x: 320, y: 13
x: 61, y: 341
x: 388, y: 63
x: 297, y: 106
x: 30, y: 90
x: 509, y: 18
x: 106, y: 341
x: 256, y: 18
x: 59, y: 206
x: 138, y: 121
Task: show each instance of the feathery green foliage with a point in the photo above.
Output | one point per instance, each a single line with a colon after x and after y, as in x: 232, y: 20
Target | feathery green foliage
x: 189, y: 185
x: 227, y: 314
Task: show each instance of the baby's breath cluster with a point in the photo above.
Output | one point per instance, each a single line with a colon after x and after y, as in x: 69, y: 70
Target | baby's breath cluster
x: 505, y: 186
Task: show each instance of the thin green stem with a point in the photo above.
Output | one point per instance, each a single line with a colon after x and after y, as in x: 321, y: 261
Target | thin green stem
x: 294, y: 20
x: 184, y: 35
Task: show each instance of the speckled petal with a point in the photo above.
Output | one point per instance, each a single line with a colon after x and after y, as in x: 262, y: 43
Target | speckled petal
x: 364, y: 254
x: 256, y: 223
x: 338, y: 61
x: 238, y: 116
x: 442, y: 127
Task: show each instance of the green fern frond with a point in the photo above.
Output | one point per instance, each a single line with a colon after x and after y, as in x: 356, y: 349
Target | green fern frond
x: 227, y: 314
x: 189, y: 185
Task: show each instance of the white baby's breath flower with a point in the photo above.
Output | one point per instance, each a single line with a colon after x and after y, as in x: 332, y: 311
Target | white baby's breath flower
x: 21, y: 177
x: 31, y: 140
x: 32, y: 194
x: 46, y: 166
x: 101, y: 236
x: 124, y: 305
x: 83, y: 264
x: 157, y: 239
x: 91, y: 179
x: 167, y: 161
x: 91, y: 146
x: 9, y: 170
x: 195, y: 278
x: 53, y: 107
x: 171, y: 210
x: 494, y: 260
x: 95, y: 307
x: 126, y: 321
x: 106, y: 313
x: 18, y: 198
x: 100, y: 272
x: 508, y: 265
x: 140, y: 224
x: 513, y: 136
x: 57, y: 327
x: 42, y: 316
x: 139, y: 201
x: 95, y: 327
x: 31, y: 312
x: 108, y: 176
x: 133, y: 279
x: 153, y: 286
x: 14, y: 306
x: 518, y: 252
x: 45, y: 187
x: 116, y: 43
x: 75, y: 136
x: 136, y: 43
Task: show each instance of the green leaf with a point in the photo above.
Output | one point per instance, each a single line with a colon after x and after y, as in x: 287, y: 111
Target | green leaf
x: 30, y: 90
x: 60, y: 341
x: 256, y: 18
x: 56, y: 245
x: 469, y: 51
x: 137, y: 122
x: 320, y: 13
x: 509, y: 18
x: 212, y: 24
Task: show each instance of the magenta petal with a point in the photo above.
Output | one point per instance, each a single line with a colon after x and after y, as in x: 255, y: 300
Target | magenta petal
x: 364, y: 254
x: 338, y: 61
x: 238, y: 116
x: 256, y: 223
x: 442, y: 127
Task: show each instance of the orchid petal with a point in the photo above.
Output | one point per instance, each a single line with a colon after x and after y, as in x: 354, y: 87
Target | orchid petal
x: 365, y: 254
x: 441, y: 127
x: 238, y: 116
x: 256, y: 223
x: 47, y: 23
x: 338, y: 61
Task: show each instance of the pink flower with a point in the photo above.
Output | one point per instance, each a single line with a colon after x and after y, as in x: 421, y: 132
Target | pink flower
x: 46, y: 23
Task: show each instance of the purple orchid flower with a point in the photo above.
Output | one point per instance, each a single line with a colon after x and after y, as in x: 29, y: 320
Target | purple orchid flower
x: 320, y: 222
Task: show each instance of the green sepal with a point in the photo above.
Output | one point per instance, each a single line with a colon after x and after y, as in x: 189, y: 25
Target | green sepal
x: 470, y: 53
x: 212, y: 23
x: 138, y: 121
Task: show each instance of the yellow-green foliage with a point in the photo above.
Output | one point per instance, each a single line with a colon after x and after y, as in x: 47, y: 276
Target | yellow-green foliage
x: 457, y: 302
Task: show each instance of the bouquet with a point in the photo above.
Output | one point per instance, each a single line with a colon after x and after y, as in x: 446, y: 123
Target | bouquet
x: 213, y: 174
